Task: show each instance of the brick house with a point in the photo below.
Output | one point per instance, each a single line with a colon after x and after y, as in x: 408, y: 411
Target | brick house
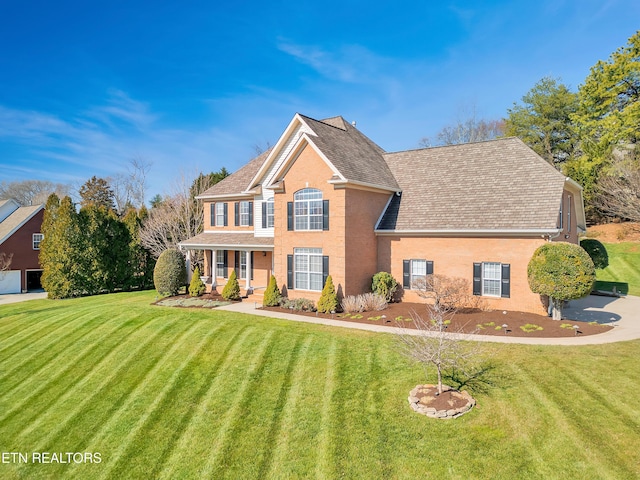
x: 327, y: 200
x: 20, y: 237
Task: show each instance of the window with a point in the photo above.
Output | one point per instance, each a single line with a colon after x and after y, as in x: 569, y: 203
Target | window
x: 37, y: 238
x: 560, y: 216
x: 569, y: 213
x: 269, y: 213
x: 415, y: 272
x: 492, y: 279
x: 242, y: 270
x: 220, y: 216
x: 308, y: 209
x: 245, y: 215
x: 308, y: 272
x: 221, y: 263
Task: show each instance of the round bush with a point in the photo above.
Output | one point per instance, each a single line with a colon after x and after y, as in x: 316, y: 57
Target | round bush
x: 170, y: 274
x: 384, y: 285
x: 596, y: 251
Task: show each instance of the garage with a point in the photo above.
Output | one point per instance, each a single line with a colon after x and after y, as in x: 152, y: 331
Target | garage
x: 10, y: 282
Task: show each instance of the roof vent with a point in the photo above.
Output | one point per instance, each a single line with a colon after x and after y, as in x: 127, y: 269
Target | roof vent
x: 353, y: 123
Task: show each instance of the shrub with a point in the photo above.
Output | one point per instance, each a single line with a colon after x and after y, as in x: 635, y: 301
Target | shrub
x: 328, y: 301
x: 360, y: 303
x: 385, y: 285
x: 272, y: 294
x: 298, y: 304
x: 170, y: 273
x: 562, y: 271
x: 196, y: 287
x: 231, y: 290
x: 596, y: 251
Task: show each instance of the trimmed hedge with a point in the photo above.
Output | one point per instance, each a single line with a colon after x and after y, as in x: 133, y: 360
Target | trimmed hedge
x: 170, y: 273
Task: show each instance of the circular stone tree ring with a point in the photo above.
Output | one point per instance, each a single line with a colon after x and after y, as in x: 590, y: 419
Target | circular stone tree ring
x: 451, y: 403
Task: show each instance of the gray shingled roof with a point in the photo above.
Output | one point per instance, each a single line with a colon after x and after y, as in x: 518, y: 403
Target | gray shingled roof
x: 355, y: 156
x: 498, y: 184
x: 228, y: 240
x: 16, y: 219
x: 238, y: 181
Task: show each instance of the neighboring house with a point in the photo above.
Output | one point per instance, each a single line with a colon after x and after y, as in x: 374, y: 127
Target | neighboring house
x: 327, y: 200
x: 20, y: 237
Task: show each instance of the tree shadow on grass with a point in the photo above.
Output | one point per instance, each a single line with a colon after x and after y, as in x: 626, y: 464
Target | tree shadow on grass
x: 481, y: 380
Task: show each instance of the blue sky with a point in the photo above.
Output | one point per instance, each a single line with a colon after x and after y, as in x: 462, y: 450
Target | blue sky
x: 196, y: 85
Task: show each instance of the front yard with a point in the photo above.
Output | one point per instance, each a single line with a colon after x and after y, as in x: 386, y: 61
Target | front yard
x: 162, y: 392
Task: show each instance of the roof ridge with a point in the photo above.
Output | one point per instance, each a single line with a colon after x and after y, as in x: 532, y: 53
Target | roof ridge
x: 459, y: 145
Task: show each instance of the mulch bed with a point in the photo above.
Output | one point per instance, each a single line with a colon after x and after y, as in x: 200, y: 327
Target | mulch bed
x: 477, y: 321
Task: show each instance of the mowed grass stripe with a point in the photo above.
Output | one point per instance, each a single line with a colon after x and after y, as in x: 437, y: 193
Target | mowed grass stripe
x: 103, y: 374
x: 281, y: 437
x: 115, y: 399
x: 186, y: 452
x: 133, y: 462
x: 20, y: 323
x: 550, y: 406
x: 134, y: 419
x: 46, y: 378
x: 30, y: 340
x: 235, y: 406
x: 324, y: 457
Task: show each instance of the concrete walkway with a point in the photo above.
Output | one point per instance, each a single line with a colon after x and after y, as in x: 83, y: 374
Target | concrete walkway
x: 623, y: 313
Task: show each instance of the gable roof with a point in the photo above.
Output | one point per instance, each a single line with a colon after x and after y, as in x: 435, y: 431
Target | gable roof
x: 238, y: 182
x: 494, y: 185
x: 17, y: 219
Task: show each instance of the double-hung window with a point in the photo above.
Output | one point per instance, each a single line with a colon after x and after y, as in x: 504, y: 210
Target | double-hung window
x: 221, y: 263
x: 245, y: 214
x: 269, y: 213
x: 37, y: 238
x: 308, y: 209
x: 415, y: 273
x: 492, y: 279
x: 242, y: 265
x: 220, y: 214
x: 308, y: 272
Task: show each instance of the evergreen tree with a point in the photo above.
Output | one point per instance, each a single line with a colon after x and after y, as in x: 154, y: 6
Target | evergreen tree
x: 272, y: 294
x: 231, y: 290
x: 170, y: 274
x: 97, y: 192
x: 196, y: 287
x: 328, y: 301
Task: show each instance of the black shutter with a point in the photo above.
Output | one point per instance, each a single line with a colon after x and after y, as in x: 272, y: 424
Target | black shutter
x: 429, y: 267
x: 251, y: 214
x: 325, y: 269
x: 236, y: 263
x: 406, y: 273
x: 477, y: 278
x: 290, y: 272
x: 264, y: 214
x: 226, y: 260
x: 226, y: 214
x: 325, y: 215
x: 289, y: 216
x: 213, y: 214
x: 506, y: 280
x: 236, y: 211
x: 251, y: 273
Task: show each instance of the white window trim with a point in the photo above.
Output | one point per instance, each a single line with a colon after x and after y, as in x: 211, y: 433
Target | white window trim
x: 40, y: 237
x: 242, y: 265
x: 569, y: 213
x: 307, y: 252
x: 244, y: 214
x: 219, y: 214
x: 413, y: 276
x: 499, y: 279
x: 306, y: 202
x: 220, y: 263
x: 270, y: 213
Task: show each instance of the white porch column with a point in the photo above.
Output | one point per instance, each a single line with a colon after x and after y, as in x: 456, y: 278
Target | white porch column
x: 247, y: 281
x: 214, y: 268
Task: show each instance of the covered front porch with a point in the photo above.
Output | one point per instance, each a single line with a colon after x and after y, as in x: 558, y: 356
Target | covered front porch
x: 249, y: 256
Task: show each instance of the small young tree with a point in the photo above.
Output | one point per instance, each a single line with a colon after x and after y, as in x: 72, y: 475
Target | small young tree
x: 432, y: 344
x: 272, y: 294
x: 384, y: 284
x: 449, y: 294
x: 562, y: 271
x: 231, y: 290
x: 196, y: 287
x: 170, y: 273
x: 328, y: 301
x: 5, y: 261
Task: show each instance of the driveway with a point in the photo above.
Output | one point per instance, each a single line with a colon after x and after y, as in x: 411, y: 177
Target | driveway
x: 21, y: 297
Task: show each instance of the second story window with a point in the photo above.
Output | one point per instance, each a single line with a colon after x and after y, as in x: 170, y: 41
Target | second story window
x: 37, y: 238
x: 308, y: 209
x: 243, y: 214
x: 269, y: 213
x: 220, y: 214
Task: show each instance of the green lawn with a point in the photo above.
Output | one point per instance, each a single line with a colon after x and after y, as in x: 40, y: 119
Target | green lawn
x: 177, y: 393
x: 623, y: 271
